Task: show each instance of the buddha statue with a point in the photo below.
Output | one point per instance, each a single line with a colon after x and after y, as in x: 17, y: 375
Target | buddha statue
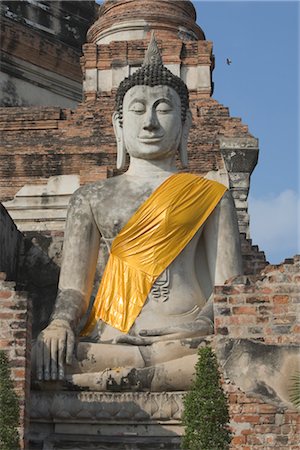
x: 171, y: 238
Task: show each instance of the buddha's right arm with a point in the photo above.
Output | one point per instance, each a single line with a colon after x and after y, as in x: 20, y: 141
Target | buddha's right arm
x: 80, y: 253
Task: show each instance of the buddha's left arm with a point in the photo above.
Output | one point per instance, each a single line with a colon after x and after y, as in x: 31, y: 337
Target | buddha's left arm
x: 222, y: 245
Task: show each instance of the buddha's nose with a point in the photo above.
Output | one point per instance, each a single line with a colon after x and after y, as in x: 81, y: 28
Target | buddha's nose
x: 150, y: 122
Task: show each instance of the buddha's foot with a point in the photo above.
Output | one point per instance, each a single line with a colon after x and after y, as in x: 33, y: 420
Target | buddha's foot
x: 117, y: 380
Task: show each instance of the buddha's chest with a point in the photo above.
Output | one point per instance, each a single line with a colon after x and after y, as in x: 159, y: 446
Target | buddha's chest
x: 114, y: 211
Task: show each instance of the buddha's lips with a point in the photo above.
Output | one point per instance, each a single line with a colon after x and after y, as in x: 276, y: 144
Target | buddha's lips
x: 150, y: 138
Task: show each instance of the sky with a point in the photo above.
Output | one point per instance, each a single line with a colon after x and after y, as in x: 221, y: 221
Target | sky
x: 261, y: 86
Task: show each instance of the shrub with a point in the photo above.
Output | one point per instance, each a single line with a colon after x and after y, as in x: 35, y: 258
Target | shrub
x: 9, y: 408
x: 294, y: 389
x: 206, y: 416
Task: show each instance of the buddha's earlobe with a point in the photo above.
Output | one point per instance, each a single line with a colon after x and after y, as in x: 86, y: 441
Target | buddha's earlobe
x: 121, y: 150
x: 183, y: 152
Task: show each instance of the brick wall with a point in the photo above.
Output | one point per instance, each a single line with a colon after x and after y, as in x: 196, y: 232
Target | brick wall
x: 40, y: 142
x: 262, y: 309
x: 254, y: 259
x: 26, y: 43
x: 15, y: 340
x: 261, y: 426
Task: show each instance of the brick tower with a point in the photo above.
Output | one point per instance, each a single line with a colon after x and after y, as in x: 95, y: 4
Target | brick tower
x: 53, y: 141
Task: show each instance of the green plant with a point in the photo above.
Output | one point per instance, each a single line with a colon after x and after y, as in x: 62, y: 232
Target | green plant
x: 206, y: 416
x: 294, y: 390
x: 9, y: 408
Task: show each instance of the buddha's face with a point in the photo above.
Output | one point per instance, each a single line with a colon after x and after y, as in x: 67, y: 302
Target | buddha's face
x: 152, y: 123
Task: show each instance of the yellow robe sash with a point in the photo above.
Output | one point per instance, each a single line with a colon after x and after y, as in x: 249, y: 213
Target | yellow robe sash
x: 153, y: 237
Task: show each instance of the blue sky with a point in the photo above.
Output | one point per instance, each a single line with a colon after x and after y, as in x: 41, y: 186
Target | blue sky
x: 262, y: 87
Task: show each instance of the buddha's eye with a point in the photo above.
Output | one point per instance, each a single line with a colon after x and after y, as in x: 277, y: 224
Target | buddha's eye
x: 163, y: 108
x: 138, y: 108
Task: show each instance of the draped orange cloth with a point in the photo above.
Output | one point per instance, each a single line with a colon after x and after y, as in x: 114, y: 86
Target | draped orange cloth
x: 153, y: 237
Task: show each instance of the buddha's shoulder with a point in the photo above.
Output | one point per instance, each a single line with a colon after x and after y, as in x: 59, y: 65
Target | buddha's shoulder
x: 99, y: 189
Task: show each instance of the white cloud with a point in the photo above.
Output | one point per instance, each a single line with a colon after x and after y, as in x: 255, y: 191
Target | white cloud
x: 274, y: 224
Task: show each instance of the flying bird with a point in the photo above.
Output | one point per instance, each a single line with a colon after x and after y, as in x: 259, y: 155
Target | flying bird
x: 228, y: 61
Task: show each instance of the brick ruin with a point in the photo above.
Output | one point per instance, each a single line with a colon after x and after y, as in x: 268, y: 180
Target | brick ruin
x: 15, y: 340
x: 259, y: 316
x: 52, y: 141
x: 40, y: 50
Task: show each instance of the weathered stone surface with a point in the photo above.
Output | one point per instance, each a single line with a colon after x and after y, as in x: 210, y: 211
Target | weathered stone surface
x: 43, y: 207
x: 259, y: 369
x: 151, y: 124
x: 107, y: 420
x: 11, y: 242
x: 99, y: 406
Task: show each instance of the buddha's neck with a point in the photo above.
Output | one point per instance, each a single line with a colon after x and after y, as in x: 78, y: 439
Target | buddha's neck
x: 142, y: 168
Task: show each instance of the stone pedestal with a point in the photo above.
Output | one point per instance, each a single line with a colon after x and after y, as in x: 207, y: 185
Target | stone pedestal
x: 110, y: 420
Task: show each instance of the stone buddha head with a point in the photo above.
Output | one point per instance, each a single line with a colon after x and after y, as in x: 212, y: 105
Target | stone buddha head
x: 152, y: 117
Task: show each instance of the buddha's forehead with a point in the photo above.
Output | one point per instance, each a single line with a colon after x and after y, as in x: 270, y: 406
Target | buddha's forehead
x: 152, y: 93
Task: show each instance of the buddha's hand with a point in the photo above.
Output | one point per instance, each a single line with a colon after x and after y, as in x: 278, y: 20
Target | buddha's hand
x: 202, y: 326
x: 54, y: 349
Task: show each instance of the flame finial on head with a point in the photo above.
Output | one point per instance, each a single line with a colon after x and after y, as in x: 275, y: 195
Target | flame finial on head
x: 152, y: 55
x: 152, y: 73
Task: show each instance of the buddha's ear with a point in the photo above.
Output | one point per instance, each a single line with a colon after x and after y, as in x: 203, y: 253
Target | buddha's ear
x: 183, y: 153
x: 121, y: 150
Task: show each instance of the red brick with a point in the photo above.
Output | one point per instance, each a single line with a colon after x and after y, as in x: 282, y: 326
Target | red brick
x: 6, y: 294
x: 18, y: 373
x: 250, y: 408
x: 280, y: 299
x: 232, y: 398
x: 6, y: 343
x: 251, y: 418
x: 266, y: 290
x: 244, y: 310
x: 6, y: 315
x: 240, y: 320
x: 266, y: 409
x: 238, y: 440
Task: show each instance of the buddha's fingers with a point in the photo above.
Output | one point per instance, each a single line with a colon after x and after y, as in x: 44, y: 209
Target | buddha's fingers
x: 53, y: 358
x: 134, y: 340
x: 61, y: 358
x: 39, y: 359
x: 70, y: 343
x: 190, y: 329
x: 161, y: 331
x: 46, y: 359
